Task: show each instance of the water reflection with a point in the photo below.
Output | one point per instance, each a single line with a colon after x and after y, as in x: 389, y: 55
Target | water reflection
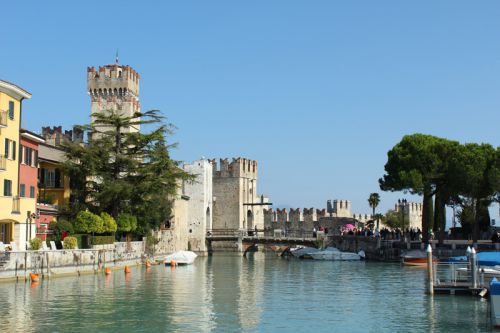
x: 228, y: 293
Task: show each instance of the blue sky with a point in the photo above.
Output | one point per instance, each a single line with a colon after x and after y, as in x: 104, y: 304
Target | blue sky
x: 316, y: 91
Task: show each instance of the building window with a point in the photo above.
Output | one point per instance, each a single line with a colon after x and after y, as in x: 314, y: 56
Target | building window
x: 28, y: 156
x: 11, y: 110
x: 32, y: 191
x: 22, y: 190
x: 14, y: 150
x: 7, y: 188
x: 7, y: 147
x: 21, y: 154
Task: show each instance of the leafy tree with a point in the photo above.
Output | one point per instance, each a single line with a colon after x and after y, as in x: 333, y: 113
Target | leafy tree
x: 89, y: 223
x: 418, y: 164
x: 126, y: 223
x: 109, y: 223
x: 479, y: 176
x: 59, y: 227
x: 123, y: 171
x: 373, y: 201
x: 393, y: 219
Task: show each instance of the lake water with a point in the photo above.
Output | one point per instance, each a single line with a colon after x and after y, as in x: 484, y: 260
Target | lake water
x: 229, y: 293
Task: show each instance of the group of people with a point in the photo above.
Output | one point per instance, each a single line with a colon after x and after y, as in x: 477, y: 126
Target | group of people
x: 385, y: 233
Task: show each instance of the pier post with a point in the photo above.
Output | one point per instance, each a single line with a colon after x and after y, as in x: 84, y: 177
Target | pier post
x: 473, y: 267
x: 430, y: 268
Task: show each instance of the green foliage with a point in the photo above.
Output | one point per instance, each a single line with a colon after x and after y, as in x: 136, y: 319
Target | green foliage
x: 59, y: 227
x: 126, y: 223
x: 36, y: 244
x: 70, y: 243
x: 87, y: 222
x: 467, y: 175
x: 393, y: 219
x: 102, y: 240
x: 109, y: 223
x: 125, y: 172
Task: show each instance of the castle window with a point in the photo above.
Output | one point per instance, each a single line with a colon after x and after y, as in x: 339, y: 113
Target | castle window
x: 22, y: 190
x: 32, y: 191
x: 119, y: 73
x: 115, y: 92
x: 120, y: 92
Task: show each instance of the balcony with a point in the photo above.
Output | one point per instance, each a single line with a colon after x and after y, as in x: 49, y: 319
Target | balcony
x: 3, y: 163
x: 16, y: 205
x: 3, y: 119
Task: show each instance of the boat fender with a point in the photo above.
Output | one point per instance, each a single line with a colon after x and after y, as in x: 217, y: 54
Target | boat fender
x: 107, y: 271
x: 127, y: 270
x: 34, y: 277
x: 362, y: 254
x: 173, y: 263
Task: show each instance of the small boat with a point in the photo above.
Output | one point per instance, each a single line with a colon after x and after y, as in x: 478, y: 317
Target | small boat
x: 303, y: 252
x: 483, y: 259
x: 181, y: 258
x: 332, y: 253
x: 495, y: 302
x: 416, y: 258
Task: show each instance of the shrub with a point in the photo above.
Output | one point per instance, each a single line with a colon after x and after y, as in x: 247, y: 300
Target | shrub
x: 59, y: 227
x: 87, y: 222
x: 126, y: 223
x: 109, y: 223
x: 36, y: 244
x: 102, y: 240
x: 70, y: 243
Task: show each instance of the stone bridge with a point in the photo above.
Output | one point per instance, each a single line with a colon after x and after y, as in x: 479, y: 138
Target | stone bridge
x: 242, y: 241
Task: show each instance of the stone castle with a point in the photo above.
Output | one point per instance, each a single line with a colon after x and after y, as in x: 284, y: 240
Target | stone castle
x: 114, y: 87
x: 224, y: 195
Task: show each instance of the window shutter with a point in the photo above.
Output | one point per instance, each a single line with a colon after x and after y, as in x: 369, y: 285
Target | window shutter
x: 42, y: 176
x: 6, y: 148
x: 14, y: 149
x: 57, y: 181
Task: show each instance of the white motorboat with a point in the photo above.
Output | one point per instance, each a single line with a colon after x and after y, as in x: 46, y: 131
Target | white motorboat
x: 331, y: 253
x: 181, y: 258
x: 303, y: 252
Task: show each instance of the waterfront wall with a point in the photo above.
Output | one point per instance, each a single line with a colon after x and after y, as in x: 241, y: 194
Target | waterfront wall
x: 51, y: 263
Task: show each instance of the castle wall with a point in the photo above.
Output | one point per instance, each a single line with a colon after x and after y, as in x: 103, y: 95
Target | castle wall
x: 235, y: 191
x: 199, y: 204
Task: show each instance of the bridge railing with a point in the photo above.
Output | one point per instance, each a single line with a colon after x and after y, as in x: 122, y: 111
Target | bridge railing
x: 225, y: 232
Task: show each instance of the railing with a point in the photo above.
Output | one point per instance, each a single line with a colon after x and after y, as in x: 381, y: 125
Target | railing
x: 3, y: 163
x: 3, y: 118
x: 451, y: 273
x: 16, y: 205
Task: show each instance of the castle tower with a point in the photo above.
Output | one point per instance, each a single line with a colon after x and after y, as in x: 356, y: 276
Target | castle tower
x: 114, y: 87
x: 237, y: 204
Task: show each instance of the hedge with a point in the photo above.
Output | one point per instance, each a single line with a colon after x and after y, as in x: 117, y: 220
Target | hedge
x: 102, y: 240
x: 70, y: 242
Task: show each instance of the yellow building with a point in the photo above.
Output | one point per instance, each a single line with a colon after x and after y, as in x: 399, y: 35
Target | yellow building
x: 13, y: 210
x: 54, y: 185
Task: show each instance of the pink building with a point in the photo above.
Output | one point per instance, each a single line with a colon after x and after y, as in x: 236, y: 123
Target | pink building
x: 28, y: 176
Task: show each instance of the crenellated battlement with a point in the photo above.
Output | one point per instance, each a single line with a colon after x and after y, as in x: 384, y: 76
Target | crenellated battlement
x: 55, y: 136
x: 341, y: 208
x: 113, y: 80
x: 238, y: 167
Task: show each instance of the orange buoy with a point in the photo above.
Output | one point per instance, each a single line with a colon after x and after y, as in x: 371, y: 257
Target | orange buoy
x: 127, y: 270
x: 173, y: 263
x: 34, y: 277
x: 107, y: 271
x: 148, y: 264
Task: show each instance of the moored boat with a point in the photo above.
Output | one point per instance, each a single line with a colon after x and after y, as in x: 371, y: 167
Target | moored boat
x: 495, y: 302
x: 331, y: 253
x: 415, y: 258
x: 181, y: 258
